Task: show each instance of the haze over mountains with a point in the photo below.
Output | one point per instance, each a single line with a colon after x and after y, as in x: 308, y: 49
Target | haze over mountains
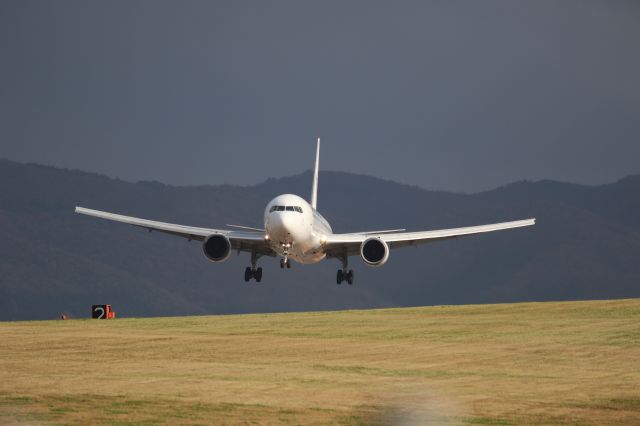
x: 586, y: 245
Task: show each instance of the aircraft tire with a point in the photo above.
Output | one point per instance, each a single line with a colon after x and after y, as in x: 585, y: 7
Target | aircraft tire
x: 258, y: 274
x: 350, y: 277
x: 339, y: 277
x: 247, y: 274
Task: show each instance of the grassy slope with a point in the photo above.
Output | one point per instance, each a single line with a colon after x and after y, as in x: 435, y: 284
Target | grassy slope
x: 575, y: 362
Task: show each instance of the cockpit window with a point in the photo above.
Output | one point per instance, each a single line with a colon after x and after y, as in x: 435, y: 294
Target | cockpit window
x: 285, y: 208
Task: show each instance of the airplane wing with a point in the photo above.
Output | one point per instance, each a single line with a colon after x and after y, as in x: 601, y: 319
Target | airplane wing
x: 337, y: 244
x: 240, y: 240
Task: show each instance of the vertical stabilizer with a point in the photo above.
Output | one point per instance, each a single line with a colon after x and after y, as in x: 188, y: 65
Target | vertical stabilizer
x: 314, y: 189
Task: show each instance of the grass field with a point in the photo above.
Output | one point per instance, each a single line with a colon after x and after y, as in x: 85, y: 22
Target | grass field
x: 533, y: 363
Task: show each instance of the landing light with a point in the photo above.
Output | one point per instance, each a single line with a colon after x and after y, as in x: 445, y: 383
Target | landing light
x: 266, y: 237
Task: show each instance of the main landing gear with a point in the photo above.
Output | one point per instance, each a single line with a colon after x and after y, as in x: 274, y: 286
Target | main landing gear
x: 255, y: 273
x: 251, y: 271
x: 344, y: 274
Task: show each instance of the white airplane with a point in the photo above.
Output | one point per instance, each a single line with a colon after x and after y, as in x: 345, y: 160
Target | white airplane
x: 293, y: 229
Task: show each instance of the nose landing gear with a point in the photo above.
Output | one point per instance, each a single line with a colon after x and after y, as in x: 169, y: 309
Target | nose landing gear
x: 285, y: 262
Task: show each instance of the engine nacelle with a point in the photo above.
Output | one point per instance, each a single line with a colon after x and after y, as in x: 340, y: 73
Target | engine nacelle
x: 217, y: 248
x: 374, y: 252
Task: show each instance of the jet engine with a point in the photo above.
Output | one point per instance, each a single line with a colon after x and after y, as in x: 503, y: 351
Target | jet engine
x: 374, y: 252
x: 217, y: 248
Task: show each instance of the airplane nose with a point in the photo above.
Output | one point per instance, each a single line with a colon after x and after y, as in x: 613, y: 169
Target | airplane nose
x: 285, y: 226
x: 277, y: 226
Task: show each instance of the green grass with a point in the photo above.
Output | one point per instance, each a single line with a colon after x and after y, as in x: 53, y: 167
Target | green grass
x: 532, y: 363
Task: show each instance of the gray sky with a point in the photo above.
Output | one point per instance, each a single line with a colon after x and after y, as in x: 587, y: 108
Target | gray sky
x: 456, y: 95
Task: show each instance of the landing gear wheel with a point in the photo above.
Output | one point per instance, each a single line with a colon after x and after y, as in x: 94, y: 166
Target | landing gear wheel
x: 285, y: 263
x: 258, y: 274
x: 349, y: 277
x: 339, y: 277
x: 247, y: 274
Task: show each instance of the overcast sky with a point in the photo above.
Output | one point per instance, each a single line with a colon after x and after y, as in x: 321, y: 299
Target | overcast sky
x: 455, y: 95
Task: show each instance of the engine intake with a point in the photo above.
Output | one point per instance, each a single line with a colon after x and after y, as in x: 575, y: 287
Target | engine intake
x: 374, y: 252
x: 217, y: 248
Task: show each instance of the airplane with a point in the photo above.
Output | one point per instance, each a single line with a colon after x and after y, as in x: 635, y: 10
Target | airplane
x: 295, y: 230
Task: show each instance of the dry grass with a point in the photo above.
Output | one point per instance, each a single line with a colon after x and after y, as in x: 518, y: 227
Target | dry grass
x: 544, y: 363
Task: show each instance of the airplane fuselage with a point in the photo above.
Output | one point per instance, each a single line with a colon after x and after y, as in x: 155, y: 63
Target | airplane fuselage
x: 295, y: 229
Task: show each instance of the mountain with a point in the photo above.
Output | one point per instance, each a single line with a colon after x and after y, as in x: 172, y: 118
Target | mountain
x: 586, y: 245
